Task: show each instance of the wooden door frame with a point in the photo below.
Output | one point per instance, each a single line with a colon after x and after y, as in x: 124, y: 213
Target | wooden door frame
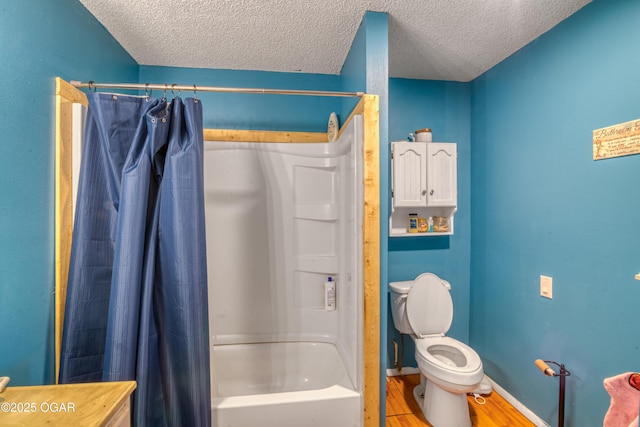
x: 66, y: 96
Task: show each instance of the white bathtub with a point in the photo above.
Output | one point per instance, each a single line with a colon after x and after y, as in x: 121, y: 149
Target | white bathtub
x: 287, y: 384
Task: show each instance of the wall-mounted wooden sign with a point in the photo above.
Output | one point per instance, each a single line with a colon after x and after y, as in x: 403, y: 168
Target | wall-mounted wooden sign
x: 617, y: 140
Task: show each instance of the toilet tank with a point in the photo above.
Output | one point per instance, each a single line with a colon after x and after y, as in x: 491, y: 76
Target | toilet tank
x: 399, y: 292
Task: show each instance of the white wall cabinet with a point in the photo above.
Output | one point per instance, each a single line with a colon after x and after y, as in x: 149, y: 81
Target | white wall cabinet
x: 424, y: 181
x: 409, y: 174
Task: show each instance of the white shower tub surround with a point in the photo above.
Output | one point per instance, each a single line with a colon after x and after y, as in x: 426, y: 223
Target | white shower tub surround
x: 281, y: 219
x: 283, y: 384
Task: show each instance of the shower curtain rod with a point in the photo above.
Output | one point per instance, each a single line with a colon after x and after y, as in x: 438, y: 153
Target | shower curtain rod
x: 174, y: 87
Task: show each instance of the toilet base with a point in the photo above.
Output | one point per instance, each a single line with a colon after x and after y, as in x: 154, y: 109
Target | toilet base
x: 440, y: 407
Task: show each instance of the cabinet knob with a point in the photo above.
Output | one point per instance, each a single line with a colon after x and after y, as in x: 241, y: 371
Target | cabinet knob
x: 431, y: 193
x: 424, y: 192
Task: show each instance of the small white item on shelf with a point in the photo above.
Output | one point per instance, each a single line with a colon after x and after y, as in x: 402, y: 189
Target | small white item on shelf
x: 424, y: 135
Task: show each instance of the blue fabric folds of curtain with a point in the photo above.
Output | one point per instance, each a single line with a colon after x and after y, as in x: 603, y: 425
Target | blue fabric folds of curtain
x: 137, y: 292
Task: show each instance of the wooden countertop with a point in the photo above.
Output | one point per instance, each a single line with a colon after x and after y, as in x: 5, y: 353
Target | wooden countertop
x: 88, y: 404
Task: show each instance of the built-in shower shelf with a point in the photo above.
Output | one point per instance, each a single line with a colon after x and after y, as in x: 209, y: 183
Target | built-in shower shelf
x: 317, y: 264
x: 316, y: 211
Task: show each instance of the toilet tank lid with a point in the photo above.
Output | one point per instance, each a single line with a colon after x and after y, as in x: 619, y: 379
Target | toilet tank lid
x: 401, y: 287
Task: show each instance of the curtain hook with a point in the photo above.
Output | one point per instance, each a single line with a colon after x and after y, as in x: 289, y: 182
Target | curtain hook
x: 195, y: 95
x: 164, y: 96
x: 146, y: 91
x: 173, y: 94
x: 91, y: 86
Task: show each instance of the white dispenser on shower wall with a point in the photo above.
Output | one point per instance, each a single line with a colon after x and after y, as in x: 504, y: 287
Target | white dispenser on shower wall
x: 330, y: 294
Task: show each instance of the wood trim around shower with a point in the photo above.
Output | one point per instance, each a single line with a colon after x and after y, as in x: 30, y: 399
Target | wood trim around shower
x: 66, y: 96
x: 233, y: 135
x: 368, y: 106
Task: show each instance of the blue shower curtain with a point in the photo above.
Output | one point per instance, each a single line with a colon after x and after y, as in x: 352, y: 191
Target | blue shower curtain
x: 137, y: 292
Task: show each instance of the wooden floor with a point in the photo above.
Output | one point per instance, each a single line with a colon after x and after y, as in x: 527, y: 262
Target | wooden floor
x: 403, y: 411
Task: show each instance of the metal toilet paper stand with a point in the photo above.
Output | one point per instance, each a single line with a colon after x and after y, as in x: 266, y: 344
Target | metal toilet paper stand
x: 544, y: 367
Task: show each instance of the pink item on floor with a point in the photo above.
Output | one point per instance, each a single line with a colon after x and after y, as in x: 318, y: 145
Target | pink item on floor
x: 624, y: 390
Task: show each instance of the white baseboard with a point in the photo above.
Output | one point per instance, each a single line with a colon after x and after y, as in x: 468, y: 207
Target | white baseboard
x: 539, y: 422
x: 528, y: 413
x: 405, y: 371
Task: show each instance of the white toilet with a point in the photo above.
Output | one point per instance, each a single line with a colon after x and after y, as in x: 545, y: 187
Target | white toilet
x: 449, y: 369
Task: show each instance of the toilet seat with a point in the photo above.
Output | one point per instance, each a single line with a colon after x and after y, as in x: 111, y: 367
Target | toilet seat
x: 449, y: 359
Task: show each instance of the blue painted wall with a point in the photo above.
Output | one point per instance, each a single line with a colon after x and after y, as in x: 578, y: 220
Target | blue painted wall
x: 40, y: 40
x: 541, y: 205
x: 444, y: 107
x: 244, y: 111
x: 353, y: 76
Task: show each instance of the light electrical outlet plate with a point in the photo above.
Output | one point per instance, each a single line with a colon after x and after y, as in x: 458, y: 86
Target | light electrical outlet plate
x: 546, y: 287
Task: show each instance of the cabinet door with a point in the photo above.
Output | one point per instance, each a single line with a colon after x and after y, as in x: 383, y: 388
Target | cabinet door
x: 409, y: 178
x: 442, y: 182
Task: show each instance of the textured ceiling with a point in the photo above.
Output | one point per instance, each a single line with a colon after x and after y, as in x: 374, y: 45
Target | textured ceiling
x: 428, y: 39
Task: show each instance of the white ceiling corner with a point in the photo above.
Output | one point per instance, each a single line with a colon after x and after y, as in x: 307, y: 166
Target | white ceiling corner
x: 428, y: 39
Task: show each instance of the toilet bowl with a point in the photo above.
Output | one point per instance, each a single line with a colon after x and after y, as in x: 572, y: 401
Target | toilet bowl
x: 449, y: 369
x: 452, y: 365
